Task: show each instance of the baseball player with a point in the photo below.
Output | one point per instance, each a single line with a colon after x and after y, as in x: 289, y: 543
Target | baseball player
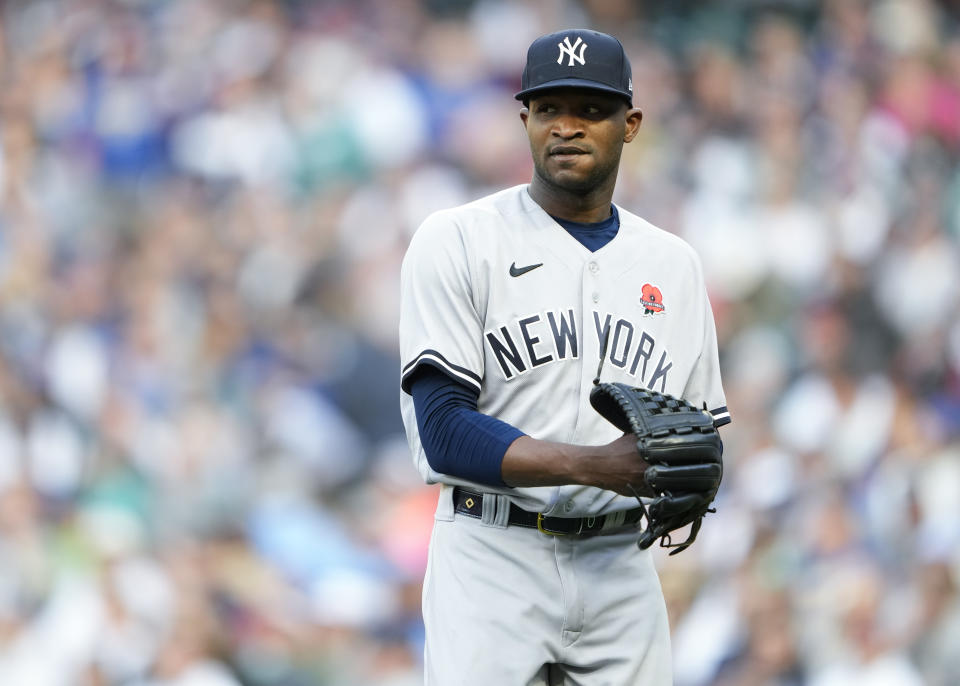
x: 508, y: 306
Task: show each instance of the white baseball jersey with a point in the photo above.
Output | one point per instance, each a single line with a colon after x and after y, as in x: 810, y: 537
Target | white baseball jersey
x: 500, y: 297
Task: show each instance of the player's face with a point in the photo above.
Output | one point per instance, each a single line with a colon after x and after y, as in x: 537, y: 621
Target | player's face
x: 576, y: 137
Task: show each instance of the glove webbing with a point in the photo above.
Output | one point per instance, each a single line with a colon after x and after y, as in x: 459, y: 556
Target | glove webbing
x: 677, y: 415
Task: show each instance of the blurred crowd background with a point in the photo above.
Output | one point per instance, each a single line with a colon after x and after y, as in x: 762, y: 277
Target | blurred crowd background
x: 203, y: 209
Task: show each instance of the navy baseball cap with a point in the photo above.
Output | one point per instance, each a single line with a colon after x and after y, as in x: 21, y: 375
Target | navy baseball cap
x: 576, y: 58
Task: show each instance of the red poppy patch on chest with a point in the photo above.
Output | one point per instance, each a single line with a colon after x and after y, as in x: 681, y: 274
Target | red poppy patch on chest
x: 651, y: 299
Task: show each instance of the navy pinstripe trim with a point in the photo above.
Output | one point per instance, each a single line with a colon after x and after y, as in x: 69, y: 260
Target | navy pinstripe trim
x: 437, y: 360
x: 721, y: 416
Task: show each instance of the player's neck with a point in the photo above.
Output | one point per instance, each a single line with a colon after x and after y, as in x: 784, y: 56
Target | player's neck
x: 588, y: 208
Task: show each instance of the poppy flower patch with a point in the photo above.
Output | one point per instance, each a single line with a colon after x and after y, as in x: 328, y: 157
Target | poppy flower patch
x: 651, y: 299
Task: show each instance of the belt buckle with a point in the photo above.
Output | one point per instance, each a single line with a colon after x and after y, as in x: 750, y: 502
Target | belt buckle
x: 546, y: 531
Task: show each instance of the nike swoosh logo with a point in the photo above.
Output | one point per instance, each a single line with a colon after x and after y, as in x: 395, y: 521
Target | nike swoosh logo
x: 520, y: 271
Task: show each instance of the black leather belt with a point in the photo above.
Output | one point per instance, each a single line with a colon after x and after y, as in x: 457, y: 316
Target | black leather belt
x: 470, y: 503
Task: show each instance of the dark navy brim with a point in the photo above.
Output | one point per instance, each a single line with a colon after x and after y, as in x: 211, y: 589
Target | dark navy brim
x: 574, y: 83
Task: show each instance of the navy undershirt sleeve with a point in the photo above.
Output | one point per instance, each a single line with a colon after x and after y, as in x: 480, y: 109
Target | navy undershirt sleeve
x: 593, y: 236
x: 457, y: 439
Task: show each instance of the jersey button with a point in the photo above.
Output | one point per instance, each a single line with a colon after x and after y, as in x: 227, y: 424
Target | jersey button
x: 594, y: 267
x: 596, y: 297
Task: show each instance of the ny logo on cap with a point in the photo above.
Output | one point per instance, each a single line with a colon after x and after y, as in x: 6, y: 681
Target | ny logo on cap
x: 570, y: 50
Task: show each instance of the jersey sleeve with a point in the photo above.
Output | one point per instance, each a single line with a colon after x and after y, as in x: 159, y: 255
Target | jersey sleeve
x: 704, y: 388
x: 439, y: 322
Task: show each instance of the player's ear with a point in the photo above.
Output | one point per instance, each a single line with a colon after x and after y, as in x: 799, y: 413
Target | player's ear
x: 524, y: 113
x: 634, y: 117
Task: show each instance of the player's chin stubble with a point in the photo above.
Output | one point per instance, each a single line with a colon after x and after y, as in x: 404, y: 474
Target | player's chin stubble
x: 573, y: 183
